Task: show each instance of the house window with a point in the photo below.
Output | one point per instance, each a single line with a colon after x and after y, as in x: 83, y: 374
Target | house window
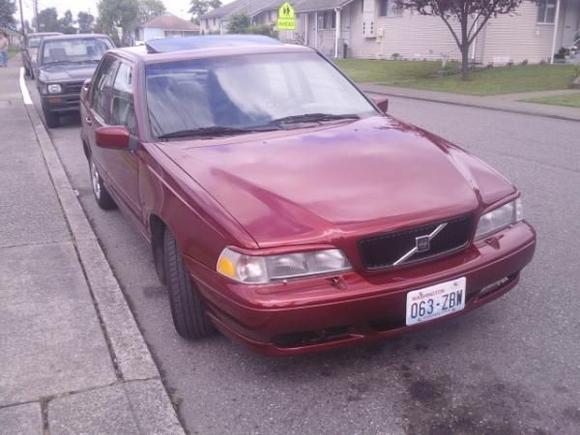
x: 326, y: 20
x: 389, y: 8
x: 546, y: 11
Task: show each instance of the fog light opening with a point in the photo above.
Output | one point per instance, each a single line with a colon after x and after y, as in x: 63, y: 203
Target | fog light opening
x: 494, y: 286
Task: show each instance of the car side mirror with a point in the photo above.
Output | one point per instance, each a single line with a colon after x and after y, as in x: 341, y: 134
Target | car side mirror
x: 382, y: 102
x: 115, y: 138
x: 86, y: 88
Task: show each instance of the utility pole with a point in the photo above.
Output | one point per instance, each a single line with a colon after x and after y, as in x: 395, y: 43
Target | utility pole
x: 35, y: 9
x: 22, y: 29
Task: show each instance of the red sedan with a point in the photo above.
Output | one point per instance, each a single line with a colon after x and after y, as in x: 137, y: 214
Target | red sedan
x: 284, y: 207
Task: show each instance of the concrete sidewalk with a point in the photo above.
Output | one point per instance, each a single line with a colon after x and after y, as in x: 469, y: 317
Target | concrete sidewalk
x: 72, y: 359
x: 506, y: 102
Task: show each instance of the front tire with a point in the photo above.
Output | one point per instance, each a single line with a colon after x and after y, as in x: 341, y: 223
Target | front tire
x: 187, y: 307
x: 52, y: 118
x: 102, y: 196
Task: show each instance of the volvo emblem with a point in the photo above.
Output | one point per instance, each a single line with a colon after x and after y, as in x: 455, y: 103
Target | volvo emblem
x: 423, y: 243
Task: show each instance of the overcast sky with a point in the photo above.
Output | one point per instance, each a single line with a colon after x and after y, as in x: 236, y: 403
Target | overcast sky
x: 178, y: 7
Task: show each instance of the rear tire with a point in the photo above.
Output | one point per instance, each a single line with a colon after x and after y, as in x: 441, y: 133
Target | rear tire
x: 187, y: 307
x: 102, y: 196
x: 52, y: 118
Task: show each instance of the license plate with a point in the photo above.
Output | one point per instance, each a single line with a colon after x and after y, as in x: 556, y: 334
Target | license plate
x: 435, y: 301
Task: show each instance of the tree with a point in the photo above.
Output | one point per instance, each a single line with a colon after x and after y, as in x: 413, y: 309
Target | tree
x: 123, y: 14
x: 48, y: 20
x: 471, y: 15
x: 201, y: 7
x: 149, y: 9
x: 7, y: 9
x: 239, y: 24
x: 86, y: 22
x: 66, y: 23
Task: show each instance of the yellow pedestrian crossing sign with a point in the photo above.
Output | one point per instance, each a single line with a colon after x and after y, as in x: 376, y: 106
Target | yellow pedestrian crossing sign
x: 286, y: 17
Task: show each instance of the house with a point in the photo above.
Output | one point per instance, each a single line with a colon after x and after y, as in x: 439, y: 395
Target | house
x: 261, y: 12
x: 378, y: 29
x: 165, y: 26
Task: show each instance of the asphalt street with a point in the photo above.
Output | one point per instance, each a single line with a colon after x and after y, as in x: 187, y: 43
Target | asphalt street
x: 511, y: 367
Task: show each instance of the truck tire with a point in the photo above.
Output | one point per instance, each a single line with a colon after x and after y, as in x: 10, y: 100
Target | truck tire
x: 52, y: 118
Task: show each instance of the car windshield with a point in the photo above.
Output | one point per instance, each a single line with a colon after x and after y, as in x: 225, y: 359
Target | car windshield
x: 82, y: 50
x: 233, y: 94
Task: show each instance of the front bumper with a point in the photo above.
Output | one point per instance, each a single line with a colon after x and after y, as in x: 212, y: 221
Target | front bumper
x: 314, y: 314
x: 61, y: 103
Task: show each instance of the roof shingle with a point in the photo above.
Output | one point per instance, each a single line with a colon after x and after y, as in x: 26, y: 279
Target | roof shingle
x: 171, y: 22
x: 254, y: 7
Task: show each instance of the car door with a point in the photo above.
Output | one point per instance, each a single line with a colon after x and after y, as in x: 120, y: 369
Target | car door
x: 124, y: 164
x: 97, y: 114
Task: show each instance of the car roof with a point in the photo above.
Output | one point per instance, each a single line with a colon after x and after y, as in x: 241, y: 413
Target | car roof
x: 60, y: 37
x: 165, y: 45
x: 194, y: 47
x: 43, y: 34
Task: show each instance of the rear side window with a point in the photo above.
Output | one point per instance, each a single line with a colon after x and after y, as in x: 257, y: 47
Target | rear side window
x: 101, y: 89
x: 122, y: 109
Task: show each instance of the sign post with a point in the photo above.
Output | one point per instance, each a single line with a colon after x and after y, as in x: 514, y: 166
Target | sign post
x: 286, y: 17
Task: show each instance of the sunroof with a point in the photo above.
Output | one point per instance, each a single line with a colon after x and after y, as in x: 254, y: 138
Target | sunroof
x: 210, y: 41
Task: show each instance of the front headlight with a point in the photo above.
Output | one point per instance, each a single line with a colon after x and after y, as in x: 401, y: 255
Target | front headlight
x: 253, y: 269
x: 500, y: 218
x: 54, y: 89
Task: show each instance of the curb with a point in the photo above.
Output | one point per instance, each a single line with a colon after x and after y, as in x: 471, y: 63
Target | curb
x: 476, y: 106
x: 130, y: 355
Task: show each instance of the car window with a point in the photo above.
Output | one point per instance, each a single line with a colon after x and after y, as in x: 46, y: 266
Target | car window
x: 81, y: 50
x: 101, y: 88
x: 122, y: 109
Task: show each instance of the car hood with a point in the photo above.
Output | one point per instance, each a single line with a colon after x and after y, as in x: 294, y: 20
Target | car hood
x: 314, y: 185
x: 66, y: 72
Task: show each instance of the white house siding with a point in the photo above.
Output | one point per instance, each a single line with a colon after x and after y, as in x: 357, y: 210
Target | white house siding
x: 411, y: 35
x: 210, y: 25
x: 516, y: 37
x: 513, y: 37
x: 152, y: 33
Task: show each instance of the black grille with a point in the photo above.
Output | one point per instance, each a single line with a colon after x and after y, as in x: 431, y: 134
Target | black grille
x: 384, y: 250
x: 73, y: 88
x: 311, y: 337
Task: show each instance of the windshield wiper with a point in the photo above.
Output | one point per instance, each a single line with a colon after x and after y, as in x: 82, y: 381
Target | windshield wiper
x: 216, y: 130
x: 313, y: 117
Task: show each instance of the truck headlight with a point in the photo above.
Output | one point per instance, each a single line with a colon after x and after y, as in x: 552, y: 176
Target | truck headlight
x: 252, y: 269
x: 54, y: 89
x: 499, y: 218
